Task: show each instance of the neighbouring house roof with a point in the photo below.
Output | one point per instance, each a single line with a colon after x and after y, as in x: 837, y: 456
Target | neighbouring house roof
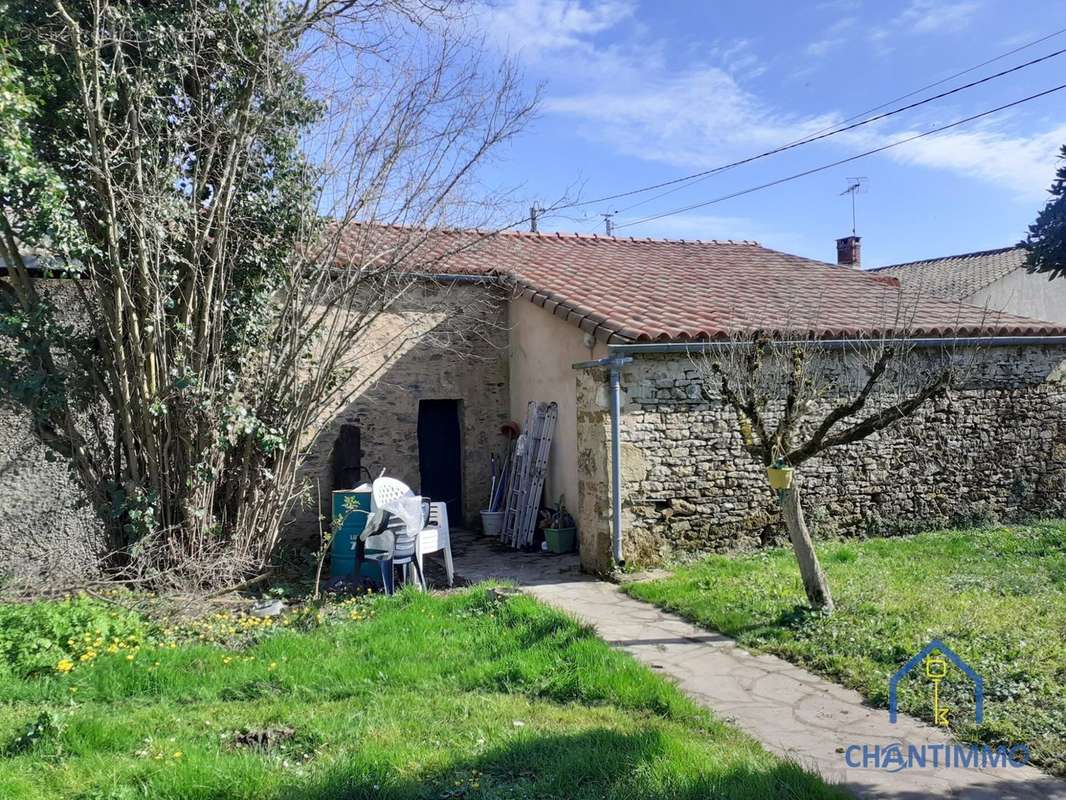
x: 957, y: 277
x: 642, y: 290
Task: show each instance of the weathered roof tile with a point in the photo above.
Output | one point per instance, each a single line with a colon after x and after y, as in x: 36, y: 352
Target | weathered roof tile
x: 626, y: 289
x: 957, y: 277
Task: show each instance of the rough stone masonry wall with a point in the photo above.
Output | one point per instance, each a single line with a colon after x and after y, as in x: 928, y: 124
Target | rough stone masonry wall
x: 995, y: 450
x: 46, y: 527
x: 445, y: 341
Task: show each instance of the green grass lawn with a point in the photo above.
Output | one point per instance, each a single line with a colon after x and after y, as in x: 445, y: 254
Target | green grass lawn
x: 996, y: 596
x: 460, y: 696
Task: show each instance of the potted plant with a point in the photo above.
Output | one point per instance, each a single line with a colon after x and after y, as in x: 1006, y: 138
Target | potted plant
x: 560, y: 532
x: 780, y: 475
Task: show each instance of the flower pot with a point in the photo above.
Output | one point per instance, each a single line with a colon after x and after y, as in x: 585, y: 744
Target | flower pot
x: 560, y: 540
x: 780, y: 477
x: 492, y: 522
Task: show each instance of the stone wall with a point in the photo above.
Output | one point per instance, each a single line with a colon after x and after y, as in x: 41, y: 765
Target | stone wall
x: 445, y: 341
x: 441, y: 341
x: 994, y: 450
x: 46, y: 527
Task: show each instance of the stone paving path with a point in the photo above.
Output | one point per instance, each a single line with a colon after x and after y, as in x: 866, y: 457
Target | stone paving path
x: 791, y: 711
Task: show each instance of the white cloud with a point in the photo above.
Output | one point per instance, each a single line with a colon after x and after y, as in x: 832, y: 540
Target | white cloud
x: 692, y: 119
x: 933, y: 16
x: 881, y: 38
x: 1023, y: 165
x: 821, y: 47
x: 629, y: 96
x: 534, y: 27
x: 737, y: 56
x: 832, y: 38
x: 922, y: 17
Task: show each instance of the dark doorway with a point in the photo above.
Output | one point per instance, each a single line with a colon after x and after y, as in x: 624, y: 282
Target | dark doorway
x: 347, y: 458
x: 440, y: 455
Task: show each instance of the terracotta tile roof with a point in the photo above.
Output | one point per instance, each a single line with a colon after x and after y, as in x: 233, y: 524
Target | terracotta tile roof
x: 634, y: 290
x: 957, y: 277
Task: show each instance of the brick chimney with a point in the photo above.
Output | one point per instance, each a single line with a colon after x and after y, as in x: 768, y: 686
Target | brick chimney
x: 849, y: 251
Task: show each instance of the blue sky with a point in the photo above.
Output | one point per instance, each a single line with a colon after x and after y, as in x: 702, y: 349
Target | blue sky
x: 639, y: 92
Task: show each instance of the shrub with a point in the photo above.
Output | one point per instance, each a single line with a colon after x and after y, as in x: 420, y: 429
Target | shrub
x: 46, y: 636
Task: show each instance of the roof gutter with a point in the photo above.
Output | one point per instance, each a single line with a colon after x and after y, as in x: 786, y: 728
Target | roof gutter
x: 839, y: 344
x: 453, y: 277
x: 614, y: 365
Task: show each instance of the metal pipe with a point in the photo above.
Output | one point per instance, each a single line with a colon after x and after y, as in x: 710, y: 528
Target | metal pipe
x: 453, y: 277
x: 614, y: 364
x: 839, y: 344
x: 616, y: 466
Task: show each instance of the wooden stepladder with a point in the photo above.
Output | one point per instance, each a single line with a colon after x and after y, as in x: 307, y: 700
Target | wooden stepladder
x: 528, y: 472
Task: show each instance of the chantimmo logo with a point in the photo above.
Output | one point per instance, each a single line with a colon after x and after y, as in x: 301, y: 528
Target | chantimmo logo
x: 934, y: 663
x: 935, y: 656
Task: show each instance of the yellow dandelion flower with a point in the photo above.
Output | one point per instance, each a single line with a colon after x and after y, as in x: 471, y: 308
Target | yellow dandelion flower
x: 273, y: 665
x: 65, y: 665
x: 177, y: 754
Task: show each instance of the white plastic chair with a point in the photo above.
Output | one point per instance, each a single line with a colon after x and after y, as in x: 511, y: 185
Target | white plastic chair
x: 401, y: 546
x: 435, y: 536
x: 385, y: 490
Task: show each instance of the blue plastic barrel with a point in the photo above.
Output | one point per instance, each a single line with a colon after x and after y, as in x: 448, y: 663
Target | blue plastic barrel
x: 351, y: 507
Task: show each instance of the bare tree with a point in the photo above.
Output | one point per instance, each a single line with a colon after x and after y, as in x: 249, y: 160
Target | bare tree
x: 796, y: 396
x: 237, y: 191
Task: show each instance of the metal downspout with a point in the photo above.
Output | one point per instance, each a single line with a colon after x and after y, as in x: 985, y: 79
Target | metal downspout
x: 614, y: 364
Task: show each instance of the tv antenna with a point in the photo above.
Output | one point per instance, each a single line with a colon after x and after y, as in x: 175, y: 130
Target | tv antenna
x: 856, y: 185
x: 608, y: 222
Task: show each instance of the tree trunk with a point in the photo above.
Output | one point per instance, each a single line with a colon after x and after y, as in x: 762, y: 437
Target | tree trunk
x: 814, y: 582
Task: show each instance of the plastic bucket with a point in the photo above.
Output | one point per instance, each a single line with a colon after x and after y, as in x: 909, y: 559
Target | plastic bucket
x: 492, y: 522
x: 780, y: 477
x: 560, y: 540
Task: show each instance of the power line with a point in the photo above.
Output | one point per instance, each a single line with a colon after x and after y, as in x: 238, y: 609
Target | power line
x: 832, y: 131
x: 827, y: 132
x: 824, y: 167
x: 966, y: 71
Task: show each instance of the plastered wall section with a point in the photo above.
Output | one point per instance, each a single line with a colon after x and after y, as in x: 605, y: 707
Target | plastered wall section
x: 543, y: 350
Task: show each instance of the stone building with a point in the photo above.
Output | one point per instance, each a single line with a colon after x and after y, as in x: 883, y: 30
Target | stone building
x: 996, y: 279
x: 643, y: 309
x: 500, y: 321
